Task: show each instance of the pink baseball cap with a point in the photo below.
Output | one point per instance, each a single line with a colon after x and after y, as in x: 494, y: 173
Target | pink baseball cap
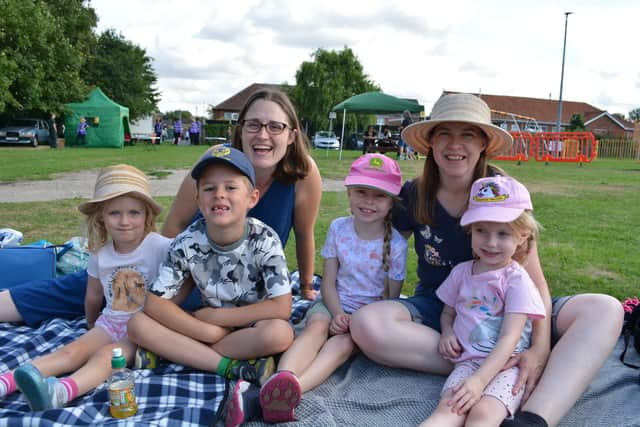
x: 496, y: 199
x: 375, y: 171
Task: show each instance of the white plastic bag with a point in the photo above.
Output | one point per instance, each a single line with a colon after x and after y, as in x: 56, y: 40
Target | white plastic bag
x: 10, y: 237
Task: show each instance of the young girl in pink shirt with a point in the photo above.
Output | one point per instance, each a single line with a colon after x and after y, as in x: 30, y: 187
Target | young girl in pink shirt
x: 488, y: 303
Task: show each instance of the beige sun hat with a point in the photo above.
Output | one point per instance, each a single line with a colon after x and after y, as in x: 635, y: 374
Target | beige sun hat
x: 120, y: 180
x: 458, y: 107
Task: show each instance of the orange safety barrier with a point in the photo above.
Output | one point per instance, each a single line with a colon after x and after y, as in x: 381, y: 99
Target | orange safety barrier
x: 569, y: 147
x: 520, y: 149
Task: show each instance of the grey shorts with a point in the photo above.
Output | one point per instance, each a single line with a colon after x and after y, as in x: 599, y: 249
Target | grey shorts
x: 316, y: 307
x: 426, y: 309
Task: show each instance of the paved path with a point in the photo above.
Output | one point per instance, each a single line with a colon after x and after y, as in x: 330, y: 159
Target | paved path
x: 80, y: 184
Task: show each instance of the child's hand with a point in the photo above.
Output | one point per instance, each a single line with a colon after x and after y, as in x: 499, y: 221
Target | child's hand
x: 449, y: 346
x: 308, y: 294
x: 465, y: 395
x: 340, y: 324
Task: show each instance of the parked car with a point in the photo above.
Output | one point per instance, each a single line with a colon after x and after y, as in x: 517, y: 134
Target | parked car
x: 326, y: 140
x: 25, y: 131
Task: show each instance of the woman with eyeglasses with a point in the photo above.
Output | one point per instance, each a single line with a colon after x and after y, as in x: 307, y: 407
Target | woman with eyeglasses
x: 290, y: 190
x: 288, y: 179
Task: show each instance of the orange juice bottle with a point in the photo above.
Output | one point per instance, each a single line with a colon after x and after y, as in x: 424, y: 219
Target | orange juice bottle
x: 122, y: 398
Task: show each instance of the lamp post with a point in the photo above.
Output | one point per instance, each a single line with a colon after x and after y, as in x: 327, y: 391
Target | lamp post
x: 564, y: 48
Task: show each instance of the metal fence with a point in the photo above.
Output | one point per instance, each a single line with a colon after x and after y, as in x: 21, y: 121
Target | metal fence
x: 618, y: 149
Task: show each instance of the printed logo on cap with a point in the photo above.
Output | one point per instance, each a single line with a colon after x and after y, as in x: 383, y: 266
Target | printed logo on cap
x: 490, y: 192
x: 376, y: 162
x: 221, y: 151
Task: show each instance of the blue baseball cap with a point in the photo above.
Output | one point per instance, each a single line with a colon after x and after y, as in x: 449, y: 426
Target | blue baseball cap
x: 225, y: 155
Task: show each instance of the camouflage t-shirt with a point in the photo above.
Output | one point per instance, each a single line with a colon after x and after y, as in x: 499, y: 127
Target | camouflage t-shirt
x: 248, y: 271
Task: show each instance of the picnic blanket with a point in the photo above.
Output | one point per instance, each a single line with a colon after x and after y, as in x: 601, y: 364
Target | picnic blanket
x: 360, y: 393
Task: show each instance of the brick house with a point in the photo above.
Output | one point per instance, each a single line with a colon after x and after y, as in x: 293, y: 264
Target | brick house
x: 229, y: 108
x: 515, y: 113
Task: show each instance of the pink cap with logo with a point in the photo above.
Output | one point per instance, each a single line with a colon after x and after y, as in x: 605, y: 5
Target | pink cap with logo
x: 496, y: 199
x: 375, y: 171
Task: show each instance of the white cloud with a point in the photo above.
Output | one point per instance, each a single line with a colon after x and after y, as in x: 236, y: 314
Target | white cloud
x: 206, y: 51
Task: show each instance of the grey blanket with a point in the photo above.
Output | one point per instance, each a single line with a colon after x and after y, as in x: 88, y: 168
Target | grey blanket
x: 362, y: 393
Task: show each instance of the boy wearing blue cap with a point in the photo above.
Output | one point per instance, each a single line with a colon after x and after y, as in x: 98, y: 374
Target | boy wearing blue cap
x: 237, y: 264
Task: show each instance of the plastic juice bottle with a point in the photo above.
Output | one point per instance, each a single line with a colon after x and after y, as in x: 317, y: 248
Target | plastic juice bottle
x: 122, y: 398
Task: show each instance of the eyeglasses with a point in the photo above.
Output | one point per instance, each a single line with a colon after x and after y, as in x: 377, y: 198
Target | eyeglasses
x: 272, y: 127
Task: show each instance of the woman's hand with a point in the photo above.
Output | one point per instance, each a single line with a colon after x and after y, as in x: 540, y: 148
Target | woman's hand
x: 340, y: 324
x: 531, y: 363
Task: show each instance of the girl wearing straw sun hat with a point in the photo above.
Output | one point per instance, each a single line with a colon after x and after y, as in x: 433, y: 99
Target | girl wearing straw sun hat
x: 458, y: 140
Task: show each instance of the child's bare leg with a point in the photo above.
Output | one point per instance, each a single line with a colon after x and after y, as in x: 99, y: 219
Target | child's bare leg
x: 442, y: 415
x: 489, y: 411
x: 73, y: 355
x: 98, y: 367
x: 170, y: 344
x: 266, y: 337
x: 306, y: 346
x: 333, y: 353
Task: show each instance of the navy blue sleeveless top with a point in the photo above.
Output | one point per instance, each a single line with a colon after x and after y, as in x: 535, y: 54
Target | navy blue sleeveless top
x: 275, y: 209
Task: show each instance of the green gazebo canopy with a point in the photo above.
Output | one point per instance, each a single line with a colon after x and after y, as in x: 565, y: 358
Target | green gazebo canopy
x: 377, y: 103
x: 108, y: 121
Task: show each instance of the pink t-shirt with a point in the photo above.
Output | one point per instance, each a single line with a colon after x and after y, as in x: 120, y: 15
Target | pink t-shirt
x: 360, y: 278
x: 481, y: 301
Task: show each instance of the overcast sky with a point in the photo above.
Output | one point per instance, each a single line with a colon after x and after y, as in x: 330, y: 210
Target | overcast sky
x: 206, y: 51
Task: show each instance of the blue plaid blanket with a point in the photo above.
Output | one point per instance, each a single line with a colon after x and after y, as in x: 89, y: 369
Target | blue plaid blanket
x: 168, y: 395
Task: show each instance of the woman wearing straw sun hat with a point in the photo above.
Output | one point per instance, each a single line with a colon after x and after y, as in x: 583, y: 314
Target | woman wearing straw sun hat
x: 458, y: 140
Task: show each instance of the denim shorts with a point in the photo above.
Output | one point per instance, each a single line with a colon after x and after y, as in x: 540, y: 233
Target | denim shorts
x: 426, y: 309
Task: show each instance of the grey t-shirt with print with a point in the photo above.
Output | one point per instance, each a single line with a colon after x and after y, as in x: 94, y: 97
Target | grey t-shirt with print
x: 248, y: 271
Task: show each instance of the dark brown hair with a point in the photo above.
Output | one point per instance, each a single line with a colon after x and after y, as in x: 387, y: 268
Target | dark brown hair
x: 295, y: 164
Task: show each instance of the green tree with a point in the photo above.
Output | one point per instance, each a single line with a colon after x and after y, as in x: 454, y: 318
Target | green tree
x: 328, y: 79
x: 576, y: 123
x: 124, y: 72
x: 42, y: 52
x: 170, y: 116
x: 634, y: 115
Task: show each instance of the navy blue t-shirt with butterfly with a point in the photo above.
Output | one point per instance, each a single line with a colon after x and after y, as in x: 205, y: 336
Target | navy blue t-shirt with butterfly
x: 439, y: 247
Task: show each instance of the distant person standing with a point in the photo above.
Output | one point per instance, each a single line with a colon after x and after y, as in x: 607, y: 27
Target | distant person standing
x: 194, y: 132
x: 81, y: 132
x: 53, y: 132
x: 157, y: 129
x: 404, y: 148
x: 177, y: 131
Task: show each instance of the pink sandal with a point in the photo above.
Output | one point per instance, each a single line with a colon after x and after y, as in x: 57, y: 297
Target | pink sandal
x: 279, y: 397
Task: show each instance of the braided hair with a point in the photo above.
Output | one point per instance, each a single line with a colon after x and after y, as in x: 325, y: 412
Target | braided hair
x: 386, y: 253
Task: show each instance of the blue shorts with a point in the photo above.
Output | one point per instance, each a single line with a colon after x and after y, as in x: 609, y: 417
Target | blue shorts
x: 63, y: 297
x: 426, y: 309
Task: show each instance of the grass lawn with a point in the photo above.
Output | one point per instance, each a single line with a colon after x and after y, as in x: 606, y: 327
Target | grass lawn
x: 590, y: 213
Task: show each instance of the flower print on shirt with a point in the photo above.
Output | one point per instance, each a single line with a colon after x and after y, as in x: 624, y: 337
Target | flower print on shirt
x: 489, y: 307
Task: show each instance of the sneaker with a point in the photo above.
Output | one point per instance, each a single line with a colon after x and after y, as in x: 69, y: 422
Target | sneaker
x: 256, y: 371
x: 279, y: 397
x: 144, y: 359
x: 41, y: 393
x: 242, y: 405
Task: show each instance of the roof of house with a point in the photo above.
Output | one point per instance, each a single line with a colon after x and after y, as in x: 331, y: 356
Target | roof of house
x: 237, y: 101
x: 543, y: 110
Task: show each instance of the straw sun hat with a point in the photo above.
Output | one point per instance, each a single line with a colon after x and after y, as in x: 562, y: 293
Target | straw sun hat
x: 120, y: 180
x: 458, y: 107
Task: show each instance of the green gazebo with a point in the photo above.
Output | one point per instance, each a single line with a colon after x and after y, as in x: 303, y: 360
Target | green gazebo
x: 108, y: 121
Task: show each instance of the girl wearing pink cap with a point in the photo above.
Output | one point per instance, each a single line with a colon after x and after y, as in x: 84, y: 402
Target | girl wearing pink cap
x: 488, y: 303
x: 365, y: 261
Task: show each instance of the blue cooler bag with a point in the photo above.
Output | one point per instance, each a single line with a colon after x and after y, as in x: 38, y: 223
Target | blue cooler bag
x: 19, y: 264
